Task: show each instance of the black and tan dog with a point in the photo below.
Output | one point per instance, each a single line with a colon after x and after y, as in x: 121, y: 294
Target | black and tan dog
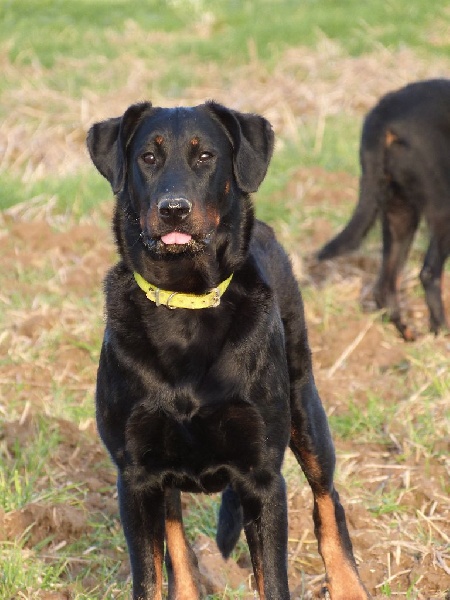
x: 405, y: 164
x: 205, y: 371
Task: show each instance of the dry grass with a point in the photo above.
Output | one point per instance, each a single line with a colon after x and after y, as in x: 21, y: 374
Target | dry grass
x: 44, y: 130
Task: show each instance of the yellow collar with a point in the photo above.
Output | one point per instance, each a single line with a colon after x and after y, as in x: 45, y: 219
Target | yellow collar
x: 179, y: 300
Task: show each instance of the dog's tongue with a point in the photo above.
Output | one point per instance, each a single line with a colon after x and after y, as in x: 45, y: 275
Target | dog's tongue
x: 176, y: 238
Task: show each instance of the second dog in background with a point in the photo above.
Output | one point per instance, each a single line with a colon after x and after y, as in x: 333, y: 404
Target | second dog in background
x: 405, y: 163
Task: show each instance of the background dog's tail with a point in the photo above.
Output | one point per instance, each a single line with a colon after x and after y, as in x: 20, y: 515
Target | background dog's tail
x: 372, y: 188
x: 230, y: 522
x: 352, y: 235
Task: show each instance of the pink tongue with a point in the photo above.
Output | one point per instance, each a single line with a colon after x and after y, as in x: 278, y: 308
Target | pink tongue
x: 176, y: 238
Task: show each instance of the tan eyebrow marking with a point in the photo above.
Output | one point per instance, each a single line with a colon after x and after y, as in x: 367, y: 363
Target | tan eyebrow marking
x: 159, y: 139
x: 390, y: 138
x: 194, y: 141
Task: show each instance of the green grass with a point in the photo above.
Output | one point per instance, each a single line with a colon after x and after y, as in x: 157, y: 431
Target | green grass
x: 50, y: 29
x: 20, y: 574
x: 24, y: 467
x: 54, y: 36
x: 361, y: 422
x: 75, y: 195
x: 47, y: 30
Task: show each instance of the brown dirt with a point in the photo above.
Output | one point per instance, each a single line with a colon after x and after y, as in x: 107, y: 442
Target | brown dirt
x: 406, y: 547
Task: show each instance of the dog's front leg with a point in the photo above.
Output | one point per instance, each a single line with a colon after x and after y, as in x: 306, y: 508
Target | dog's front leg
x: 312, y: 446
x: 265, y: 518
x: 142, y: 516
x: 181, y: 562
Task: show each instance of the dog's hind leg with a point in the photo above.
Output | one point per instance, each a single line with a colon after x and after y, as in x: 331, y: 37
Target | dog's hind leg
x: 399, y: 225
x: 181, y: 562
x: 312, y: 446
x: 431, y: 277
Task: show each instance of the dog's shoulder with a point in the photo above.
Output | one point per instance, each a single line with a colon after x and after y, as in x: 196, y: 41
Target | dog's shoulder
x: 271, y: 257
x: 275, y: 268
x: 266, y: 248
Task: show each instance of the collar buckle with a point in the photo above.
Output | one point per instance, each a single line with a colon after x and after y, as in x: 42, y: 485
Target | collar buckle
x: 169, y: 306
x: 215, y: 300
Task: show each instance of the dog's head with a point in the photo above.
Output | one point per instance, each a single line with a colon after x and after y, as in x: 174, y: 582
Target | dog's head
x: 181, y: 172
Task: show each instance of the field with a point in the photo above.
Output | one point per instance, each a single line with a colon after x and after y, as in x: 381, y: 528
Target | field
x: 313, y: 69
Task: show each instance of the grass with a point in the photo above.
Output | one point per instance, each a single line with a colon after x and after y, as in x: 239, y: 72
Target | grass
x: 313, y: 68
x: 363, y: 423
x: 17, y: 566
x: 47, y: 30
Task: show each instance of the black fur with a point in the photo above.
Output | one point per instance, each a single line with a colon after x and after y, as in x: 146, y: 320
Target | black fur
x: 207, y: 400
x: 405, y: 162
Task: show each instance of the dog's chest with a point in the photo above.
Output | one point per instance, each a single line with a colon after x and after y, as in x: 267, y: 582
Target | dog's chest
x: 196, y: 452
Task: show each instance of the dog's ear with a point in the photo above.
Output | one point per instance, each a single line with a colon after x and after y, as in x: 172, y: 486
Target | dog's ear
x: 107, y: 142
x: 253, y: 141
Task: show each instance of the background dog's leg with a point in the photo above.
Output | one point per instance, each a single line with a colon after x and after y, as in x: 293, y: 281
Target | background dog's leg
x: 312, y: 445
x: 265, y: 518
x: 399, y: 226
x: 143, y: 524
x: 431, y: 276
x: 181, y: 562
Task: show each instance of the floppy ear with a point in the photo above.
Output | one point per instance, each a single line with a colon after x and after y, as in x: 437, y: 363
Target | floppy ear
x: 107, y: 142
x: 253, y: 140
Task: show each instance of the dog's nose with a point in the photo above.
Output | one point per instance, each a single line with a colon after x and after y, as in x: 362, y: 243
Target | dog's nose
x: 174, y: 210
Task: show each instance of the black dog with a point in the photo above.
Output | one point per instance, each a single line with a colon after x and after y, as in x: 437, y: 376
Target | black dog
x: 405, y: 163
x: 207, y: 396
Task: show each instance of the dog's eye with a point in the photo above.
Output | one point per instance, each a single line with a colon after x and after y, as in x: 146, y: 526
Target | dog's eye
x: 204, y: 157
x: 149, y: 158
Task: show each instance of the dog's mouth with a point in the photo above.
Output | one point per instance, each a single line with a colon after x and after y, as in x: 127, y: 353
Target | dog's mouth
x: 175, y: 242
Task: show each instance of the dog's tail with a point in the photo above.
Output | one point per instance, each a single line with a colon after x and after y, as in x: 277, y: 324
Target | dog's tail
x: 371, y: 190
x: 354, y: 232
x: 230, y: 522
